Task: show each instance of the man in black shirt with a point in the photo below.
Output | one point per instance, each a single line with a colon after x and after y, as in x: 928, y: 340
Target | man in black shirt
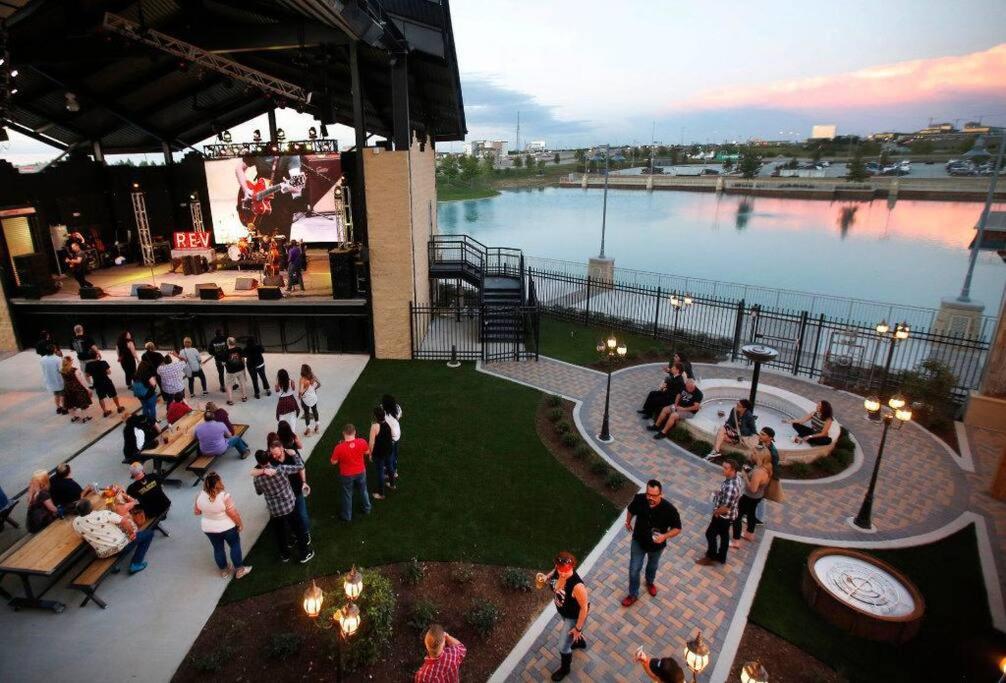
x: 99, y: 370
x: 656, y: 522
x: 663, y: 397
x: 64, y: 490
x: 218, y: 347
x: 688, y: 402
x: 146, y: 489
x: 256, y: 365
x: 84, y: 345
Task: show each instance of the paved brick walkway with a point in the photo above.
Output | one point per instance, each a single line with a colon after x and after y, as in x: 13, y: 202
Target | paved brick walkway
x: 694, y: 597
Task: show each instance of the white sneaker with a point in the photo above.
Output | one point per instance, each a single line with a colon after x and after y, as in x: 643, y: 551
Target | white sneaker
x: 243, y: 571
x: 713, y: 454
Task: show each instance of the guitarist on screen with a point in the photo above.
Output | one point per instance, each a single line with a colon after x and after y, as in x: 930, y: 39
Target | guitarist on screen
x: 270, y: 191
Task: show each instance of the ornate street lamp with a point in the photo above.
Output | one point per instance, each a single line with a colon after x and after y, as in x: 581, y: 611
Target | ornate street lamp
x: 677, y: 303
x: 696, y: 655
x: 899, y: 333
x: 612, y: 350
x: 895, y: 412
x: 353, y: 584
x: 1002, y: 668
x: 347, y: 619
x: 313, y: 599
x: 754, y: 672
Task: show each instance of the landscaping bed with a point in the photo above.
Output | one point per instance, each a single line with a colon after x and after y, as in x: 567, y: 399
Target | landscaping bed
x: 785, y: 662
x: 269, y: 637
x: 557, y: 431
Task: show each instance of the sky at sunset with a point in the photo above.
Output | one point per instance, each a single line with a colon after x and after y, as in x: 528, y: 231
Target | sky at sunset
x: 586, y: 72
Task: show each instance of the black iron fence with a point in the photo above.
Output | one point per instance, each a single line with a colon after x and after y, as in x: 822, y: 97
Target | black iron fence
x: 474, y: 332
x: 841, y: 352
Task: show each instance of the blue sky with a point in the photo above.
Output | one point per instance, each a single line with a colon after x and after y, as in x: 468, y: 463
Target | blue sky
x: 585, y: 72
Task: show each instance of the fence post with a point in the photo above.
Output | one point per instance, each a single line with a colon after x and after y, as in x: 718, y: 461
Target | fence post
x: 412, y: 332
x: 537, y: 331
x: 656, y: 316
x: 799, y: 342
x: 817, y: 345
x: 738, y: 330
x: 586, y: 320
x: 482, y: 332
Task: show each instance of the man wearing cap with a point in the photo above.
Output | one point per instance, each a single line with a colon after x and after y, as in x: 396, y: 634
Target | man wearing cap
x: 147, y: 490
x: 656, y: 521
x: 444, y: 655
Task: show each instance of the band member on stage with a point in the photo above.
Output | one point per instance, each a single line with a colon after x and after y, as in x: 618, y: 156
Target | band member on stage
x: 272, y: 263
x: 75, y: 264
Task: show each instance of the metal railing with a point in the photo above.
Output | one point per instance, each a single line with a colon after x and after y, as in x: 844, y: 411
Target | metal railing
x: 468, y: 256
x: 466, y: 332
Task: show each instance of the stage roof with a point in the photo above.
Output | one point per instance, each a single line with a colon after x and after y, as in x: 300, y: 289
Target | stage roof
x: 135, y: 98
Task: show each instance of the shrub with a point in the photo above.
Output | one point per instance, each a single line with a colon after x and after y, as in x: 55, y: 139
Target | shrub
x: 555, y: 414
x: 582, y: 451
x: 600, y: 468
x: 554, y: 401
x: 799, y: 470
x: 569, y: 439
x: 422, y: 614
x: 483, y: 617
x: 844, y: 457
x: 516, y: 579
x: 562, y: 427
x: 213, y: 661
x: 377, y: 605
x: 699, y: 447
x: 463, y: 572
x: 282, y: 646
x: 414, y: 572
x: 681, y: 436
x: 615, y: 481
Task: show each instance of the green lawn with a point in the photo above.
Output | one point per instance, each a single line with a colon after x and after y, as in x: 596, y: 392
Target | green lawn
x: 449, y: 193
x: 476, y: 483
x: 956, y: 643
x: 577, y: 344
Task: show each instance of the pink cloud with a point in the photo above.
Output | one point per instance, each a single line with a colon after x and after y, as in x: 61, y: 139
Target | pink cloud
x: 920, y: 80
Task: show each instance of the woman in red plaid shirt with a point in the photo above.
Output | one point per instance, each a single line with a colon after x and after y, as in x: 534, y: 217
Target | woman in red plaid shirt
x: 444, y: 654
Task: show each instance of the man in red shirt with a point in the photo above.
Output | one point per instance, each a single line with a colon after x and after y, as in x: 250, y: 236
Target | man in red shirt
x: 444, y: 654
x: 349, y: 455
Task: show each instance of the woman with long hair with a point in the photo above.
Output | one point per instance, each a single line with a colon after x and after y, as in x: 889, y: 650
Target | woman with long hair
x: 308, y: 393
x: 288, y: 437
x: 221, y: 523
x: 76, y: 395
x: 756, y: 482
x: 128, y: 358
x: 572, y: 603
x: 144, y: 388
x: 820, y: 424
x: 380, y: 451
x: 393, y: 416
x: 41, y: 510
x: 287, y: 408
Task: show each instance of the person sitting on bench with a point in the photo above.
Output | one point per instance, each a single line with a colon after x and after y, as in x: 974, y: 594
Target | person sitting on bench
x: 688, y: 402
x: 66, y: 492
x: 663, y: 397
x: 110, y: 534
x: 147, y: 490
x: 138, y: 434
x: 214, y: 438
x: 739, y: 429
x: 820, y: 424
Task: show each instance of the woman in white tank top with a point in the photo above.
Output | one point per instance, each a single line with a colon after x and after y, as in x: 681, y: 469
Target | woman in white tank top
x: 309, y: 386
x: 222, y: 524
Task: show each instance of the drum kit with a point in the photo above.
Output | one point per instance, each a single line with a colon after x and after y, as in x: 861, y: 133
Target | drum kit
x: 254, y: 247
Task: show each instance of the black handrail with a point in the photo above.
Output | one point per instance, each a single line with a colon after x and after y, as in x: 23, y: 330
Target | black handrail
x: 482, y: 260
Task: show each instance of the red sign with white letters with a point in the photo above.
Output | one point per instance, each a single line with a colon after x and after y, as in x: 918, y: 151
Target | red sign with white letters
x: 192, y: 240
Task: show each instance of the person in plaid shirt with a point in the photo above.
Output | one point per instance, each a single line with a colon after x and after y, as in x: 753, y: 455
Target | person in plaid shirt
x: 273, y: 482
x: 444, y: 654
x: 724, y: 513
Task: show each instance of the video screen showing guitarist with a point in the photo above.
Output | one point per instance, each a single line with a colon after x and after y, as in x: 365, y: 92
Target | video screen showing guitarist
x: 270, y: 193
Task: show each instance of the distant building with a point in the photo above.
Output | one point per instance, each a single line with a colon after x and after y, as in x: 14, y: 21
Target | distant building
x: 937, y: 129
x: 824, y: 131
x: 535, y: 146
x: 494, y: 149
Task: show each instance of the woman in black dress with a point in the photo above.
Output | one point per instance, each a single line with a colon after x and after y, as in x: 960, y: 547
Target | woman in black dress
x: 572, y: 603
x: 76, y: 396
x: 380, y: 451
x: 127, y: 355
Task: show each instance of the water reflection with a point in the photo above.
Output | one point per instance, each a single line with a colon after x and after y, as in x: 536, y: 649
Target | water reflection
x: 846, y: 217
x: 744, y: 210
x: 471, y: 212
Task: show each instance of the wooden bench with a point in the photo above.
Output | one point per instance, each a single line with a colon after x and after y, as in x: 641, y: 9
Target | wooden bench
x: 98, y: 569
x: 201, y: 464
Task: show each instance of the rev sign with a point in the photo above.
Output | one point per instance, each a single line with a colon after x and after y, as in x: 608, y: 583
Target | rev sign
x: 192, y: 240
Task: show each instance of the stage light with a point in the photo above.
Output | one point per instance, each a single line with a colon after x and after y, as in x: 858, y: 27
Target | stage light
x: 136, y: 185
x: 13, y: 73
x: 324, y: 131
x: 3, y: 60
x: 280, y: 134
x: 312, y: 133
x: 13, y: 91
x: 256, y: 135
x: 227, y: 136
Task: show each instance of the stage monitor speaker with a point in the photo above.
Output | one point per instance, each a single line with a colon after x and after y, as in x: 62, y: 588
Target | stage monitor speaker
x: 245, y: 283
x: 168, y: 289
x: 148, y: 292
x: 342, y: 264
x: 270, y: 293
x: 209, y: 291
x: 30, y: 291
x: 92, y: 293
x: 273, y: 281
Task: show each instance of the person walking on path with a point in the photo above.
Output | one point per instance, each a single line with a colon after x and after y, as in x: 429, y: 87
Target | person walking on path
x: 656, y: 522
x: 724, y: 513
x: 393, y: 416
x: 254, y: 358
x: 218, y: 347
x: 444, y: 655
x: 234, y: 375
x: 221, y: 523
x: 380, y: 451
x: 755, y: 484
x: 272, y: 481
x: 766, y: 438
x: 52, y: 378
x: 287, y: 407
x: 569, y: 594
x: 145, y: 389
x: 84, y: 346
x: 99, y: 371
x: 76, y: 396
x: 128, y: 357
x: 349, y: 456
x: 308, y: 392
x: 193, y: 365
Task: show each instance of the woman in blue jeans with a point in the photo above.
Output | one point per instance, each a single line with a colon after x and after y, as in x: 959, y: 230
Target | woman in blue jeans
x: 145, y: 389
x: 222, y: 525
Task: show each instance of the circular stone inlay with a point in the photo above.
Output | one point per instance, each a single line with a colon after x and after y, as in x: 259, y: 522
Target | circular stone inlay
x: 864, y: 585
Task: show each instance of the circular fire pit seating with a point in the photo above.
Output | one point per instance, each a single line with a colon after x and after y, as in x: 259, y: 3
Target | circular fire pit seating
x: 772, y: 405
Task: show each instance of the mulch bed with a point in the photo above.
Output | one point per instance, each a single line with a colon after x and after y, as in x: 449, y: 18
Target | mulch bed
x: 784, y: 662
x: 581, y: 468
x: 248, y: 626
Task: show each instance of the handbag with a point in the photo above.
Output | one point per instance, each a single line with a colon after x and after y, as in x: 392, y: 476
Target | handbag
x: 774, y: 491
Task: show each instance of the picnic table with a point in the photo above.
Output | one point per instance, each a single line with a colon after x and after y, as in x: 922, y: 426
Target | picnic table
x: 48, y: 554
x: 182, y: 443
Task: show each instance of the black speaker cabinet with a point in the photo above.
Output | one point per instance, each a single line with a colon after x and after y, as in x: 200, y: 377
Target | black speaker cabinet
x: 270, y: 293
x: 342, y: 264
x: 148, y: 292
x: 168, y: 289
x: 209, y: 291
x: 33, y: 269
x: 273, y: 281
x: 91, y: 292
x: 245, y: 283
x: 29, y: 291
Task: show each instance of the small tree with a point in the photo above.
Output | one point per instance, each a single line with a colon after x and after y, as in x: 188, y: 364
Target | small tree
x: 885, y: 158
x: 816, y: 155
x: 857, y: 168
x: 517, y: 162
x: 541, y: 165
x: 728, y: 164
x: 750, y: 163
x: 555, y: 158
x: 529, y: 161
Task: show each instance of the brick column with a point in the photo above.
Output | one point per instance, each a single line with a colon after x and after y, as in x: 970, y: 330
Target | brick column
x: 8, y: 341
x: 987, y: 406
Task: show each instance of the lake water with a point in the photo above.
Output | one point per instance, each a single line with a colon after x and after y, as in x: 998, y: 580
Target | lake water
x: 911, y: 253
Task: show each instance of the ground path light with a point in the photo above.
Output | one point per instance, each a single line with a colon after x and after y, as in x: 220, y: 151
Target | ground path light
x: 313, y: 599
x: 696, y: 655
x: 754, y: 672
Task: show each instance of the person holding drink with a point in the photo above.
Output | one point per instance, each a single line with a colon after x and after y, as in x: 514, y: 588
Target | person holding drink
x: 572, y: 603
x: 656, y: 521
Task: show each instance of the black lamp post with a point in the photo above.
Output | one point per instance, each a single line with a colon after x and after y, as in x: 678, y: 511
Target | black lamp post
x: 899, y: 333
x: 677, y: 303
x: 346, y: 618
x: 895, y: 412
x: 612, y: 351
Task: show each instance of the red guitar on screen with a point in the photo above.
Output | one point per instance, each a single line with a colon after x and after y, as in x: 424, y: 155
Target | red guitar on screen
x: 259, y: 203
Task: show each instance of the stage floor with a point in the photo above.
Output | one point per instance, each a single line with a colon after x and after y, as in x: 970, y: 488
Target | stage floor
x: 118, y: 281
